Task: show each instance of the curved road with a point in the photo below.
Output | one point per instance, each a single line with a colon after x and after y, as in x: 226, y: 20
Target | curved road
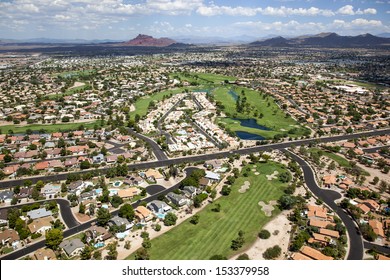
x: 166, y: 162
x: 64, y: 205
x: 160, y: 155
x: 82, y: 227
x: 328, y: 196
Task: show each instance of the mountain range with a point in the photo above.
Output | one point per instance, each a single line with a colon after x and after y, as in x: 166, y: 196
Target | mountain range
x: 325, y: 40
x: 142, y: 40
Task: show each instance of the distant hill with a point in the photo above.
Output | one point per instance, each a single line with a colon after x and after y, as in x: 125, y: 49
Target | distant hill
x: 273, y: 42
x: 148, y: 41
x: 328, y: 40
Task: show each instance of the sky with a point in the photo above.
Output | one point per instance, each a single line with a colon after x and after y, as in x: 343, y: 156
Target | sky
x: 124, y: 19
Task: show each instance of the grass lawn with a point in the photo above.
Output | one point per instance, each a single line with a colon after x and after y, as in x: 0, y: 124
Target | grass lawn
x: 141, y: 105
x: 47, y: 127
x: 341, y: 161
x: 202, y: 78
x: 215, y: 231
x: 273, y: 117
x: 72, y: 74
x: 68, y: 92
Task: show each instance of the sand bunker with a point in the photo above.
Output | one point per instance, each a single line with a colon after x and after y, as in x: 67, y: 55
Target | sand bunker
x: 244, y: 187
x: 272, y: 176
x: 257, y: 173
x: 253, y: 169
x: 268, y: 208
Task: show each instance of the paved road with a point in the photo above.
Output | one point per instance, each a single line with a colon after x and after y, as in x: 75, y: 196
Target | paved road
x: 374, y: 149
x: 82, y: 227
x: 66, y: 212
x: 328, y: 196
x: 197, y: 158
x: 378, y: 248
x: 160, y: 155
x: 153, y: 189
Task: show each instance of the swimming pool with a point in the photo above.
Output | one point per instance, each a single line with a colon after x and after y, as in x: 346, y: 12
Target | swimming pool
x: 160, y: 216
x: 99, y: 245
x: 117, y: 183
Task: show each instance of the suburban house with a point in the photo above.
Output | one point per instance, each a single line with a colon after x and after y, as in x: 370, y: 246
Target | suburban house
x: 3, y: 217
x: 213, y: 164
x: 44, y: 254
x: 50, y: 190
x: 39, y: 213
x: 98, y: 159
x: 152, y: 175
x: 87, y: 196
x: 6, y: 196
x: 9, y: 236
x: 159, y: 207
x: 177, y: 199
x: 204, y: 182
x: 215, y: 177
x: 190, y: 191
x: 24, y: 193
x: 72, y: 247
x: 97, y: 234
x: 40, y: 225
x: 134, y: 180
x: 118, y: 221
x: 329, y: 180
x: 311, y: 254
x: 143, y: 214
x: 377, y: 227
x: 128, y: 193
x: 76, y: 187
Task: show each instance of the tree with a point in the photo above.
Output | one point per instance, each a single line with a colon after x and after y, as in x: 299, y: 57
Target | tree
x: 53, y: 238
x: 85, y: 164
x: 82, y: 208
x: 226, y: 190
x: 103, y: 216
x: 116, y: 200
x: 157, y: 227
x: 287, y: 202
x: 86, y: 253
x: 97, y: 255
x: 272, y: 253
x: 218, y: 257
x: 198, y: 199
x: 170, y: 219
x: 367, y: 232
x: 127, y: 245
x: 147, y: 244
x: 264, y: 234
x: 142, y: 254
x: 375, y: 180
x: 126, y: 211
x: 112, y: 253
x: 238, y: 242
x: 13, y: 216
x: 194, y: 219
x: 243, y: 257
x: 217, y: 208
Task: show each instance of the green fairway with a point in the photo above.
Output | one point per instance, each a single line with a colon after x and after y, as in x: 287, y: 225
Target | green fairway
x: 272, y: 116
x: 47, y: 127
x: 216, y: 230
x: 341, y: 161
x: 202, y: 78
x: 141, y: 105
x: 70, y: 91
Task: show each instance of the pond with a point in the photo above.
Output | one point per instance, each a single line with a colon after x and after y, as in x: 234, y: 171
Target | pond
x: 248, y: 136
x: 252, y: 123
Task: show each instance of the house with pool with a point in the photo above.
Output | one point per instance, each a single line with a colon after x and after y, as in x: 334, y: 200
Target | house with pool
x: 159, y: 208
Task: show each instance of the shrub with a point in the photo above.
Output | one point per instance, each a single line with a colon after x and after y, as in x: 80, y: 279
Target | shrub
x: 264, y: 234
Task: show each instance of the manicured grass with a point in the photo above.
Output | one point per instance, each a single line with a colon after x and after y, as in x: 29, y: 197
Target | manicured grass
x: 215, y: 231
x: 72, y: 74
x: 68, y: 92
x: 273, y: 117
x: 141, y: 105
x: 202, y: 78
x: 341, y: 161
x: 47, y: 127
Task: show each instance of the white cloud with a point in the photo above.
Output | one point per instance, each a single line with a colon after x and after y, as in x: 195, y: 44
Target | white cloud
x: 365, y: 22
x: 346, y: 10
x: 349, y: 10
x: 283, y: 11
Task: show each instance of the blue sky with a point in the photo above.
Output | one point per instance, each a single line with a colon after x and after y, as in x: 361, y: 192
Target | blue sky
x: 124, y: 19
